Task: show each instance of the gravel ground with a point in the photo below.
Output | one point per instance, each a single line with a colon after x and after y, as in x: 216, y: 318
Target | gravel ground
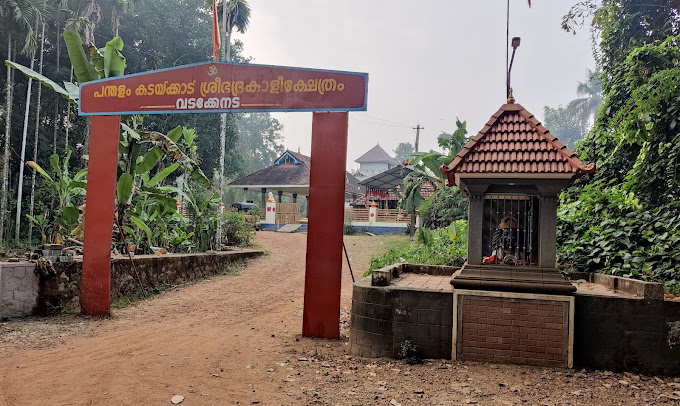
x: 236, y: 340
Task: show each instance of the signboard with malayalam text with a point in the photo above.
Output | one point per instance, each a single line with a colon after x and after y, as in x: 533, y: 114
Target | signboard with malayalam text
x: 216, y: 87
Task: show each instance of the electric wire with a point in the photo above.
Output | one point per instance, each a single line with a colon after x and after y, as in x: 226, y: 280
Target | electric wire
x: 382, y: 119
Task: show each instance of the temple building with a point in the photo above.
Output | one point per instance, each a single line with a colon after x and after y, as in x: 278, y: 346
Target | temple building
x: 289, y: 176
x: 373, y: 162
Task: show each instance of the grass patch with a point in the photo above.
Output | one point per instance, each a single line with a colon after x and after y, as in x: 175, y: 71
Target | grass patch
x: 131, y: 298
x: 231, y: 270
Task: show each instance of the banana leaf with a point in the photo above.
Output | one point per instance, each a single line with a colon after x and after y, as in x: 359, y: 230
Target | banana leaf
x: 162, y: 174
x: 124, y: 188
x: 172, y: 150
x: 40, y: 170
x: 114, y: 61
x: 97, y: 60
x: 47, y: 82
x: 84, y: 70
x: 139, y: 223
x: 175, y: 133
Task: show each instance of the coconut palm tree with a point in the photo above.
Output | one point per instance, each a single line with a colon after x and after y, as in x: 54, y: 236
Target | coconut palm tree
x: 16, y: 16
x: 235, y: 14
x: 63, y: 15
x: 37, y: 129
x: 586, y: 107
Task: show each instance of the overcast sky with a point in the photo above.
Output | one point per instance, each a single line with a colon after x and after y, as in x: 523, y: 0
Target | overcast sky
x: 428, y: 61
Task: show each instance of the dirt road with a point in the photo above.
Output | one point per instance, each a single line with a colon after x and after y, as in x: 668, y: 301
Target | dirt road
x: 236, y: 340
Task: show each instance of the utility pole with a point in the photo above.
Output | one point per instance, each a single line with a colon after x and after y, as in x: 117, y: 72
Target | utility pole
x: 418, y: 128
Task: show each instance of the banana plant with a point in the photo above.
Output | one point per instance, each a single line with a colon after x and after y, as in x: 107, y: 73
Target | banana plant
x: 43, y: 223
x: 180, y: 239
x: 67, y: 187
x: 426, y: 166
x: 103, y: 63
x: 202, y: 211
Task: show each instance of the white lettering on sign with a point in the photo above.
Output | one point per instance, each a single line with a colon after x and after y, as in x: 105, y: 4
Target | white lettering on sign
x: 199, y: 103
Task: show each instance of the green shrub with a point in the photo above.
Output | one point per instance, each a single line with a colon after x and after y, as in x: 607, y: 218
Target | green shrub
x: 348, y: 228
x: 447, y: 205
x: 606, y: 229
x: 446, y: 246
x: 237, y: 229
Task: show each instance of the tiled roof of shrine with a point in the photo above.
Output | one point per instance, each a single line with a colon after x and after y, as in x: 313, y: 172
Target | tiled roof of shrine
x: 513, y: 141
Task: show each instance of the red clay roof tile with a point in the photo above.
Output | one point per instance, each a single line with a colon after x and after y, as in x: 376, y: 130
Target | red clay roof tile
x: 514, y: 141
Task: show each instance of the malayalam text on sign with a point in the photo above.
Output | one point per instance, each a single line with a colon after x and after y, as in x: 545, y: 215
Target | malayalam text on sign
x: 214, y: 87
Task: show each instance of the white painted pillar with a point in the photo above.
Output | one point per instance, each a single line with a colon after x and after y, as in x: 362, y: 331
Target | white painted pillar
x: 372, y: 214
x: 270, y: 214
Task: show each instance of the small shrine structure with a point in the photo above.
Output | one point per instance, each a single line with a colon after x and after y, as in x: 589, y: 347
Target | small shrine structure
x: 512, y: 172
x: 508, y: 303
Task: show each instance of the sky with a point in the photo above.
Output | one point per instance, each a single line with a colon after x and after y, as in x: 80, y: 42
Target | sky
x: 429, y: 62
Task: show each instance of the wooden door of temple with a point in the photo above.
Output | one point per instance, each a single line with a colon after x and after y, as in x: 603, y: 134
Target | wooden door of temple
x: 288, y: 213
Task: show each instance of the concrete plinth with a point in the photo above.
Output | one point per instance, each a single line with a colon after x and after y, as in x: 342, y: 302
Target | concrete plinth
x: 525, y: 279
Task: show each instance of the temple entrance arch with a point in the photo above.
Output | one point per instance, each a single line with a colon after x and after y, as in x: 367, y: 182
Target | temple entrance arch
x: 220, y: 87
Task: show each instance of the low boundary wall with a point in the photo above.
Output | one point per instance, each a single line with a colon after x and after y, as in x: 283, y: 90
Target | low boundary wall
x: 620, y: 333
x: 58, y: 289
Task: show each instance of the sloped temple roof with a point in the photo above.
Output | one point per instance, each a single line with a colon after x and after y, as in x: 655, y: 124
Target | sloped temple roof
x: 514, y: 142
x: 290, y: 173
x: 376, y: 154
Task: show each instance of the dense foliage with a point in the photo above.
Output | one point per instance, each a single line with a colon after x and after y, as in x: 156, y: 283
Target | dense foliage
x: 624, y: 219
x: 445, y: 206
x: 62, y: 135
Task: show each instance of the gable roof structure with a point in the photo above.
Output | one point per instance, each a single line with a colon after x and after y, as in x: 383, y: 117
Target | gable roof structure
x: 376, y: 155
x: 290, y: 173
x: 514, y: 143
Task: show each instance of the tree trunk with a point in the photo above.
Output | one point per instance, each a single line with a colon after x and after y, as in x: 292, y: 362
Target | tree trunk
x: 56, y: 103
x: 24, y: 134
x: 67, y: 124
x: 85, y: 153
x: 223, y: 126
x: 37, y: 131
x: 55, y: 120
x: 5, y: 156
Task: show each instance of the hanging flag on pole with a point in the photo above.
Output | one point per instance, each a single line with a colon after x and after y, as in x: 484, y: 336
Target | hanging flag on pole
x: 216, y: 33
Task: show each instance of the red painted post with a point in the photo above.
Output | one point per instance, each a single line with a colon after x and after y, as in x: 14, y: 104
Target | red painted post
x: 95, y: 285
x: 321, y: 317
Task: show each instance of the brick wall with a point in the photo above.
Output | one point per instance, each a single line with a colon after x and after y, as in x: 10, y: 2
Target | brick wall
x: 513, y: 330
x: 383, y: 318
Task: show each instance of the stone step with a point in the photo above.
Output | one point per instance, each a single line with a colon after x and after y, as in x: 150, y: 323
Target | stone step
x: 289, y: 228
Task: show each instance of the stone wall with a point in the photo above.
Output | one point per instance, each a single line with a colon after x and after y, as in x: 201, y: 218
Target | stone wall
x: 18, y: 289
x: 384, y: 318
x: 58, y: 289
x: 619, y: 334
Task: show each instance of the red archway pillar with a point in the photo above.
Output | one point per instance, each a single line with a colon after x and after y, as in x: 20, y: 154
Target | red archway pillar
x: 95, y: 285
x: 321, y: 314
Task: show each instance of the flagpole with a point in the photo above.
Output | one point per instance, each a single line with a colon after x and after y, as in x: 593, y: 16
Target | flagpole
x: 507, y: 48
